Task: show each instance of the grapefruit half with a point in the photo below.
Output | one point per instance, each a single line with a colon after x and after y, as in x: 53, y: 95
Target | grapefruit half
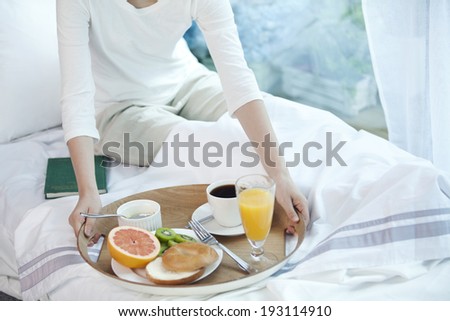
x: 132, y: 247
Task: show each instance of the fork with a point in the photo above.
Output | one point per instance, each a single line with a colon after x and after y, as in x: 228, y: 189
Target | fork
x: 206, y: 237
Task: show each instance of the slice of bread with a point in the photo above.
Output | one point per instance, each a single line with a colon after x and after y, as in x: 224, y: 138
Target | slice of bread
x: 188, y: 256
x: 158, y: 274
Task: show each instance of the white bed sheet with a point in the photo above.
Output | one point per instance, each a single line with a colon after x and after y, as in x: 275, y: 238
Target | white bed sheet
x: 382, y: 222
x: 22, y: 178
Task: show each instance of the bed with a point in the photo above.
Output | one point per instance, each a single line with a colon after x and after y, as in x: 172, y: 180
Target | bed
x: 381, y: 222
x: 380, y: 225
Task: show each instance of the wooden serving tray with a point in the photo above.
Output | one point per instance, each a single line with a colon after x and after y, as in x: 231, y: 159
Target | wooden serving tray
x: 177, y: 205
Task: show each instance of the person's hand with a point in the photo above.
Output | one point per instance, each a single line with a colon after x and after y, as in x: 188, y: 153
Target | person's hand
x: 88, y: 204
x: 292, y: 201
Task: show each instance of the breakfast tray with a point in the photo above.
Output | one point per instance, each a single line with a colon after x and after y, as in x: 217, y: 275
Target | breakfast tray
x: 177, y: 205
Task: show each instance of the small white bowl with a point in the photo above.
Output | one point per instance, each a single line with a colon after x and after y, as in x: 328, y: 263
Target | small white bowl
x: 131, y: 208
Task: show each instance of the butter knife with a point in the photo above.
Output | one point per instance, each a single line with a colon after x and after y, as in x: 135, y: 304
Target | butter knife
x: 203, y: 220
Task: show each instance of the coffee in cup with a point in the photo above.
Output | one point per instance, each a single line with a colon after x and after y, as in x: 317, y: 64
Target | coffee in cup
x: 223, y: 202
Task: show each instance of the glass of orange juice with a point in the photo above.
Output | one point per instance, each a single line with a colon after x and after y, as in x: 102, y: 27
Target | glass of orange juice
x: 256, y: 198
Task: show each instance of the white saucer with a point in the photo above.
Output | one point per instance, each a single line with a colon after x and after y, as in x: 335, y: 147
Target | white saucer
x: 212, y: 226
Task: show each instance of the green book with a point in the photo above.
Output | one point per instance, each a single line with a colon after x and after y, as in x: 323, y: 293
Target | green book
x: 60, y: 178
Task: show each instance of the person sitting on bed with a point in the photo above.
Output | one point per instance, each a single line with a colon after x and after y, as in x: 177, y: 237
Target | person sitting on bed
x: 126, y: 68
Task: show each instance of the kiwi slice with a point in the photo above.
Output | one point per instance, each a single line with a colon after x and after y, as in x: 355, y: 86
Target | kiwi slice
x: 171, y: 243
x: 164, y: 246
x: 165, y: 234
x: 180, y: 238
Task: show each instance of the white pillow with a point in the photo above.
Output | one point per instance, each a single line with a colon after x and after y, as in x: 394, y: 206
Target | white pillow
x: 29, y: 68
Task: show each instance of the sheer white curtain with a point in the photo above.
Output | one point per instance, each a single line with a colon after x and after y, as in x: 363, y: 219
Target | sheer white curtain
x: 410, y: 46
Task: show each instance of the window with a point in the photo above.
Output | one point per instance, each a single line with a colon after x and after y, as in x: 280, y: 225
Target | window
x: 312, y: 51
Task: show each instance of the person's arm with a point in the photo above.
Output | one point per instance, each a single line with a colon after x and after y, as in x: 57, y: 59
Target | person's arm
x: 216, y: 21
x: 256, y: 123
x: 82, y: 154
x: 77, y: 104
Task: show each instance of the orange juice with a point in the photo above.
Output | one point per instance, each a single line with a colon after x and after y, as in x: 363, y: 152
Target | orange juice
x: 256, y: 207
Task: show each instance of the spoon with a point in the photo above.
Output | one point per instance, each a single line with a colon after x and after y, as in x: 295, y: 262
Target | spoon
x: 133, y: 217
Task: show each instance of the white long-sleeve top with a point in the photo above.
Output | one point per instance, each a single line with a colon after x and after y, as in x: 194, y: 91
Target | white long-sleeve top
x: 112, y: 52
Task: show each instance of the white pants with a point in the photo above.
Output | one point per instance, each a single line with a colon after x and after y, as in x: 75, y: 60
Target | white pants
x: 134, y: 134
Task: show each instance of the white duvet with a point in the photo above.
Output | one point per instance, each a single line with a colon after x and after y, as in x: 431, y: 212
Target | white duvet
x: 380, y: 225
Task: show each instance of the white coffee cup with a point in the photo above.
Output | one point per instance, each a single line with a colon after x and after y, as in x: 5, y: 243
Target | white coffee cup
x: 141, y: 206
x: 224, y: 209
